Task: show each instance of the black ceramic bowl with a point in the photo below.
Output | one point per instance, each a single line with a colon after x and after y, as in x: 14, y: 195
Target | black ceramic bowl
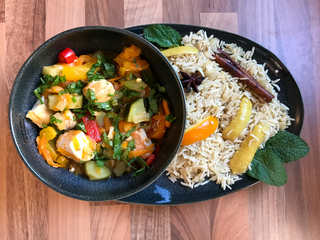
x: 86, y: 40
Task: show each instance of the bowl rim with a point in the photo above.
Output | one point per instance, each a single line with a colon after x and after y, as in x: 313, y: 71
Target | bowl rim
x: 15, y: 139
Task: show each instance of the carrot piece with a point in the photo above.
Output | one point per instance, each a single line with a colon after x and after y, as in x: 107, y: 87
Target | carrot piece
x: 107, y: 123
x: 45, y: 153
x: 84, y: 59
x: 159, y: 117
x: 165, y: 107
x: 158, y: 127
x: 166, y: 111
x: 125, y: 126
x: 139, y: 152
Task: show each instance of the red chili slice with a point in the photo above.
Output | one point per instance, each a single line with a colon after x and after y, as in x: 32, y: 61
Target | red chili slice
x: 67, y: 56
x: 150, y: 159
x: 91, y: 128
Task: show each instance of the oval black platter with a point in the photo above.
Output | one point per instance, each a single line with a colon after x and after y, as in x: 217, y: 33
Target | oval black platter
x: 163, y: 191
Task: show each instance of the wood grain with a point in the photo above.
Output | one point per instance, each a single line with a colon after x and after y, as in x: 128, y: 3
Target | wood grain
x: 109, y: 221
x: 223, y: 21
x: 104, y: 12
x: 2, y: 11
x: 26, y: 204
x: 63, y: 15
x: 290, y: 29
x: 67, y: 218
x: 186, y: 12
x: 3, y: 125
x: 150, y: 222
x: 143, y: 12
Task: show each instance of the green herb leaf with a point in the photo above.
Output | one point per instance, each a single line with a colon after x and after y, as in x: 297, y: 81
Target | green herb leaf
x: 38, y: 92
x: 143, y: 166
x: 100, y: 162
x: 134, y: 61
x: 131, y: 146
x: 75, y: 87
x: 46, y: 82
x: 153, y: 102
x: 107, y: 70
x: 130, y: 93
x: 104, y: 105
x: 170, y: 118
x: 288, y: 146
x: 80, y: 126
x: 130, y: 131
x: 149, y: 79
x: 53, y: 119
x: 267, y: 167
x: 116, y: 139
x: 91, y: 95
x: 106, y: 140
x: 163, y: 35
x: 80, y: 113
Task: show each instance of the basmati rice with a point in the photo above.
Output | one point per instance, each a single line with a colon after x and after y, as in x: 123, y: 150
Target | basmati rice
x: 220, y: 95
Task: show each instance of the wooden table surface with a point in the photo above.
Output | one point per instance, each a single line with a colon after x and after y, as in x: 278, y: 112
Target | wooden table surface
x: 289, y: 28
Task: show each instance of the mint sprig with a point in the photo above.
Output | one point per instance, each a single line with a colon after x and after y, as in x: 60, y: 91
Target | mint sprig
x: 267, y: 167
x: 288, y: 146
x: 163, y: 35
x: 268, y: 163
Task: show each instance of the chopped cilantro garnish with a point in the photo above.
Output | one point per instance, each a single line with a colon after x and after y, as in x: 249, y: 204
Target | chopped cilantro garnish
x: 153, y: 102
x: 80, y: 126
x: 170, y: 118
x: 46, y: 82
x: 134, y: 61
x: 53, y: 119
x: 130, y: 147
x: 107, y: 69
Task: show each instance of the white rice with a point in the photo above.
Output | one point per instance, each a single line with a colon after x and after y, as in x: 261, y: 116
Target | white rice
x: 220, y: 95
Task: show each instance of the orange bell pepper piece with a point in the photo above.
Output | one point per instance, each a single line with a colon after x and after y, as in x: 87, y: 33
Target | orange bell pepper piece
x: 200, y: 131
x: 125, y: 126
x: 166, y: 111
x: 84, y: 59
x: 129, y: 61
x: 158, y: 127
x: 139, y: 152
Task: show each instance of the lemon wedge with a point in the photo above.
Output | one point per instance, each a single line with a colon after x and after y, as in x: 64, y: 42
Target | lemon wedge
x: 239, y: 122
x: 179, y: 50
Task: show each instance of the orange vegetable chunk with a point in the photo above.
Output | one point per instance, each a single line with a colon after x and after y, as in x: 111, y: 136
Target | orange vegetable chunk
x: 200, y: 131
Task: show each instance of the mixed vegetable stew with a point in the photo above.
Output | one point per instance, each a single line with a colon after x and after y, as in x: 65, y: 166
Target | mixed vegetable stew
x: 101, y: 114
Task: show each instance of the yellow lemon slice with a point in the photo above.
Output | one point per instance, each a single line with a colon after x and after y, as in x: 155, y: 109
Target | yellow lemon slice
x: 179, y: 50
x: 239, y: 122
x: 244, y: 155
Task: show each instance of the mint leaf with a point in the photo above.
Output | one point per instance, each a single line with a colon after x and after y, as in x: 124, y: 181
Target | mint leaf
x: 268, y: 167
x: 163, y: 35
x: 288, y: 146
